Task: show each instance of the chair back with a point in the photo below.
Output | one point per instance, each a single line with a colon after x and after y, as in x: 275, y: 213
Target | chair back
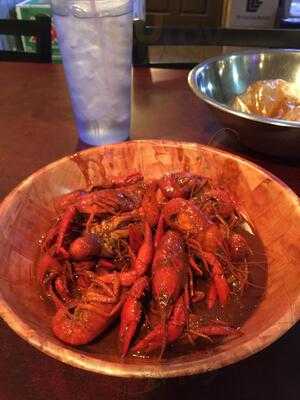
x: 39, y: 28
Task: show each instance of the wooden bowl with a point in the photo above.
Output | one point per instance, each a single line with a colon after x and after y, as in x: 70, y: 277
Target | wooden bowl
x: 26, y: 213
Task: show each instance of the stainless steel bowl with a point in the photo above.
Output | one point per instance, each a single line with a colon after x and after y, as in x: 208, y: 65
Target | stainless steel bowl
x: 218, y: 80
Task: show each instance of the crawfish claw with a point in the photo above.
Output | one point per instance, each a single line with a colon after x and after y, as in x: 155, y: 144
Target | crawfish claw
x: 131, y: 313
x: 175, y: 328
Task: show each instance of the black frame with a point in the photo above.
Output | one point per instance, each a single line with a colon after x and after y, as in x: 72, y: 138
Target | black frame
x: 40, y: 27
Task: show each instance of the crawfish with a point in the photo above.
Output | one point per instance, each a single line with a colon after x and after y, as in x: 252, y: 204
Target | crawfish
x: 83, y: 322
x: 169, y: 280
x: 169, y: 271
x: 101, y: 238
x: 170, y: 333
x: 219, y: 203
x: 127, y: 195
x: 102, y: 301
x: 99, y: 202
x: 203, y: 236
x: 180, y: 184
x: 180, y: 321
x: 170, y: 291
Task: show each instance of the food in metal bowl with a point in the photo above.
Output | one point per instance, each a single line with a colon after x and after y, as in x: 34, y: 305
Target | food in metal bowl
x: 218, y: 81
x: 273, y: 98
x: 173, y: 260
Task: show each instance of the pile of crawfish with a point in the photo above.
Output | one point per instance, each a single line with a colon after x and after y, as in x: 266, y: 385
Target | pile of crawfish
x: 132, y: 250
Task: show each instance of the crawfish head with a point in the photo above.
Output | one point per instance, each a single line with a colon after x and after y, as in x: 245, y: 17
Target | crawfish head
x: 134, y: 194
x: 179, y: 184
x: 114, y: 223
x: 218, y: 201
x: 110, y: 232
x: 239, y: 248
x: 185, y: 216
x: 84, y: 247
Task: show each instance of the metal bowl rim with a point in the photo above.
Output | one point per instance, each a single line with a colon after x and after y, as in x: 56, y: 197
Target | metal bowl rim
x: 264, y: 120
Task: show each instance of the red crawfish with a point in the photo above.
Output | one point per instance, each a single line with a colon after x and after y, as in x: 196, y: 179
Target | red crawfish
x: 204, y: 237
x: 99, y: 202
x: 102, y: 302
x: 169, y: 280
x: 181, y: 184
x: 179, y: 322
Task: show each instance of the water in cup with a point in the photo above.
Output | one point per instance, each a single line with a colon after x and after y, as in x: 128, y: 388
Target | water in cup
x: 95, y: 39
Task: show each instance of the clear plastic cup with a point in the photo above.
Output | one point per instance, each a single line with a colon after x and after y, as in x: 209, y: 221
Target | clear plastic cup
x: 95, y: 40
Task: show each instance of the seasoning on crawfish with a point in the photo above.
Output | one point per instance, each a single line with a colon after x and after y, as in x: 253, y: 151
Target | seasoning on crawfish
x: 173, y: 248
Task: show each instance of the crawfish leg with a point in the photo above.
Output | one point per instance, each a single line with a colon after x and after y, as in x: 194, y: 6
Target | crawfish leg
x: 51, y: 277
x: 219, y: 279
x: 215, y: 330
x: 195, y: 266
x: 188, y: 293
x: 89, y: 222
x: 211, y: 296
x: 51, y: 293
x: 61, y: 288
x: 191, y: 281
x: 159, y: 230
x: 46, y: 266
x: 63, y: 228
x: 110, y: 284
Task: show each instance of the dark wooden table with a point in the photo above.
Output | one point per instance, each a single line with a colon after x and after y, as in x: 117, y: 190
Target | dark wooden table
x: 36, y: 127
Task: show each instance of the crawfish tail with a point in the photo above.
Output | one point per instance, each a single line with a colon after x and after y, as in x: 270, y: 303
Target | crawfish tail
x: 78, y: 328
x: 169, y: 270
x: 85, y: 323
